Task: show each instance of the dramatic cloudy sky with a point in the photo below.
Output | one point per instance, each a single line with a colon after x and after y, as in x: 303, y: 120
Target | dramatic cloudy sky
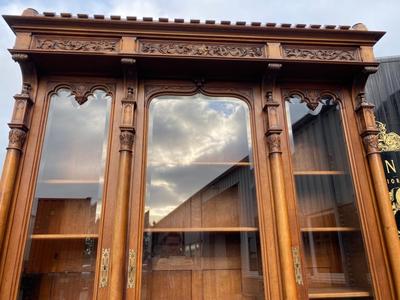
x: 376, y: 14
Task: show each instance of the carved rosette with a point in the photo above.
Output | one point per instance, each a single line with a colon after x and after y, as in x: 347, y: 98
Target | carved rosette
x: 16, y: 139
x: 371, y: 144
x: 201, y: 49
x: 274, y: 143
x: 77, y: 45
x: 126, y: 139
x: 321, y: 54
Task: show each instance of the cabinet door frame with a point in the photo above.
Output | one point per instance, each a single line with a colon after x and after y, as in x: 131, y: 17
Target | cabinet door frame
x: 364, y: 196
x: 251, y: 94
x: 12, y: 257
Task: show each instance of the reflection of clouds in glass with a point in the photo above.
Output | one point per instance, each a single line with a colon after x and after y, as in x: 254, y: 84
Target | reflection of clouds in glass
x: 74, y: 146
x: 187, y: 130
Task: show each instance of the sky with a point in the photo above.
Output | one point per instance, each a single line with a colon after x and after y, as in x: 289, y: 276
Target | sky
x: 375, y: 14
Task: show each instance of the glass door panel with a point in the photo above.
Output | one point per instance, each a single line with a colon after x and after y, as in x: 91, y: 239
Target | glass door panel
x: 60, y: 256
x: 332, y: 243
x: 201, y: 232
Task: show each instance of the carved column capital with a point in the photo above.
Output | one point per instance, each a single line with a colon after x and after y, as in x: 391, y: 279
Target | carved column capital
x: 126, y: 139
x: 274, y: 143
x: 371, y: 143
x: 16, y: 139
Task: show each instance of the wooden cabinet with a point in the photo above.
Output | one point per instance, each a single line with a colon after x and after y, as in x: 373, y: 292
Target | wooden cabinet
x: 169, y: 160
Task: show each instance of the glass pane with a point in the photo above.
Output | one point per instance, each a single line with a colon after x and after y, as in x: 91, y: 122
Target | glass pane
x: 201, y: 236
x: 60, y: 257
x: 332, y: 242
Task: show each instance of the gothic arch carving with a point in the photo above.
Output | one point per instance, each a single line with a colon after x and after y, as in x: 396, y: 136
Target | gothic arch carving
x: 153, y: 90
x: 312, y: 97
x: 81, y: 90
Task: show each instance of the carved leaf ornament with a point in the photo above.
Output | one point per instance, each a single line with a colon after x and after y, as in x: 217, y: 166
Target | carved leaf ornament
x: 321, y: 54
x: 77, y: 45
x: 189, y: 49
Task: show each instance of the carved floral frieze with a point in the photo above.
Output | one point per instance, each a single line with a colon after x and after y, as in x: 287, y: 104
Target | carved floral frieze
x: 201, y: 49
x: 71, y: 44
x: 321, y: 54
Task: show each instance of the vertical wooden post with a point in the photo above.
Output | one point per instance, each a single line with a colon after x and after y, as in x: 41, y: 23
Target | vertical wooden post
x: 273, y: 134
x: 120, y: 230
x: 369, y: 133
x: 17, y: 136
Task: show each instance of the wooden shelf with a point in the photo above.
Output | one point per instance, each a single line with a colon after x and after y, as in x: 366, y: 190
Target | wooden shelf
x: 209, y: 163
x: 64, y: 236
x: 338, y: 292
x: 330, y: 229
x: 316, y: 173
x: 203, y: 229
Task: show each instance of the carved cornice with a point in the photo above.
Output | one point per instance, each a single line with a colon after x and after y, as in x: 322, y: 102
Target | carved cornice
x: 179, y: 48
x: 126, y: 139
x: 74, y: 44
x: 321, y: 54
x: 16, y: 139
x: 312, y: 97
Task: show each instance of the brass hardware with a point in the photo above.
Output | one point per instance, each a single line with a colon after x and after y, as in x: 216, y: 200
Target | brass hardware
x: 105, y: 267
x: 297, y: 265
x: 131, y: 269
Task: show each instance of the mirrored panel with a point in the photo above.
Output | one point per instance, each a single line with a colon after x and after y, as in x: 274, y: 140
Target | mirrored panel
x: 201, y: 236
x: 60, y: 256
x: 334, y: 253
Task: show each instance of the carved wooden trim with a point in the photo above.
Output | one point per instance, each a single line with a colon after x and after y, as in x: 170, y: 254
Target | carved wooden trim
x: 75, y: 44
x: 271, y: 114
x: 81, y: 90
x: 312, y: 97
x: 188, y: 48
x: 197, y: 86
x: 274, y: 143
x: 371, y: 143
x: 126, y: 139
x: 155, y: 89
x: 16, y: 138
x: 320, y: 54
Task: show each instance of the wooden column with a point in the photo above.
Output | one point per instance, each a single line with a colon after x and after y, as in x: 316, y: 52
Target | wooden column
x: 273, y: 135
x: 120, y: 230
x: 17, y: 136
x: 369, y: 133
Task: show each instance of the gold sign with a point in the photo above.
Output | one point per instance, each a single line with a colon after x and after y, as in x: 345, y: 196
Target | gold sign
x: 389, y: 144
x: 387, y: 141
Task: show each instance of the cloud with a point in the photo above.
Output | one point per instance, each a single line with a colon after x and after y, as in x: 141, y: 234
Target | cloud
x: 185, y: 135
